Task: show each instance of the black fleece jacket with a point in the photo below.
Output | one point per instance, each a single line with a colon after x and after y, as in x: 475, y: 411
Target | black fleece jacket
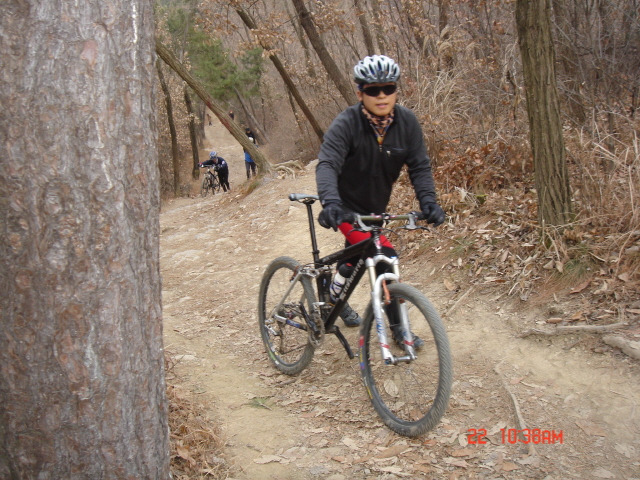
x: 358, y: 173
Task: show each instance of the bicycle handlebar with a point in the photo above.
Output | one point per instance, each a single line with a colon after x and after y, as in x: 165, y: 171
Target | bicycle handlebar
x: 411, y: 217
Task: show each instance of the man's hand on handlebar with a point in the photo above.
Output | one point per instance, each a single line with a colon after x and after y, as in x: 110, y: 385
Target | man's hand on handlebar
x: 334, y: 214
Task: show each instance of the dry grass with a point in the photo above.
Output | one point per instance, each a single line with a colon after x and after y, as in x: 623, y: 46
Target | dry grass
x: 197, y: 445
x: 493, y: 239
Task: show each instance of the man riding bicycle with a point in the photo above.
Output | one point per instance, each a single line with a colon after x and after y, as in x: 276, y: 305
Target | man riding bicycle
x: 361, y: 157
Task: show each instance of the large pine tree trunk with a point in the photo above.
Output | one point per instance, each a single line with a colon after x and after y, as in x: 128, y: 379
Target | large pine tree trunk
x: 82, y: 389
x: 545, y: 125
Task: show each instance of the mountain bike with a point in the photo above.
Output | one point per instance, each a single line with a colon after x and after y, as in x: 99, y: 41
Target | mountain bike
x: 409, y: 389
x: 210, y: 182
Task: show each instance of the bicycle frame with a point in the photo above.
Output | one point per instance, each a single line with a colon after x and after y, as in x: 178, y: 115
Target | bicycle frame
x: 370, y: 255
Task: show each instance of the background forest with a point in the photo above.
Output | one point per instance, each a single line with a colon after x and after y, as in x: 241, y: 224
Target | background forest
x: 288, y: 76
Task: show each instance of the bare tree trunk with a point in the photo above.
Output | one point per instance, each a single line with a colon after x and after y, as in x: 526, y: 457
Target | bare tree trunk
x: 568, y: 62
x: 248, y: 21
x: 339, y: 80
x: 295, y: 23
x: 195, y: 172
x: 253, y: 121
x: 412, y: 13
x: 175, y: 153
x: 361, y: 12
x: 380, y: 37
x: 545, y: 125
x: 82, y: 388
x: 221, y: 113
x: 445, y: 49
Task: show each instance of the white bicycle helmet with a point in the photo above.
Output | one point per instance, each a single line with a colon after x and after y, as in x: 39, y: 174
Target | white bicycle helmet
x: 213, y: 154
x: 376, y: 69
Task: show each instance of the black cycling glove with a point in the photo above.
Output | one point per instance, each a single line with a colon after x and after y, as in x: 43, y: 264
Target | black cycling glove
x: 333, y: 214
x: 433, y: 213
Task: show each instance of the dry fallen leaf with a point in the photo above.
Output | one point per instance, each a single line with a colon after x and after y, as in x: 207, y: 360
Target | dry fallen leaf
x: 463, y: 452
x: 392, y: 451
x: 396, y: 470
x: 624, y: 277
x: 351, y: 443
x: 268, y: 459
x: 449, y: 285
x: 391, y: 388
x: 183, y: 452
x: 581, y: 287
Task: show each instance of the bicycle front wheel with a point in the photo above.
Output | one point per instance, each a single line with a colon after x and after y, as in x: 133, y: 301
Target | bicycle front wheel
x: 205, y: 187
x: 410, y: 397
x: 215, y: 185
x: 281, y: 315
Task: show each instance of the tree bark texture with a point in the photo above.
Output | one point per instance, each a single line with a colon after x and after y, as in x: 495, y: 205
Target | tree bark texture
x: 380, y: 37
x: 251, y: 118
x: 195, y: 171
x: 545, y: 125
x: 169, y: 58
x: 361, y: 12
x: 175, y: 150
x: 286, y: 78
x: 82, y: 388
x: 339, y: 80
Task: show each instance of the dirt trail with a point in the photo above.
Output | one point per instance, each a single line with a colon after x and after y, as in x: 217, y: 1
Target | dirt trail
x: 320, y: 424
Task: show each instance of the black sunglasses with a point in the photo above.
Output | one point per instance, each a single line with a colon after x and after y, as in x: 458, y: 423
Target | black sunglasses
x: 375, y: 91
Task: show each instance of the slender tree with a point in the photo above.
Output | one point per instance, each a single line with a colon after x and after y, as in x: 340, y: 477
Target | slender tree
x: 251, y: 25
x: 336, y: 76
x: 193, y: 136
x: 545, y: 125
x: 175, y: 150
x: 82, y: 388
x: 361, y: 12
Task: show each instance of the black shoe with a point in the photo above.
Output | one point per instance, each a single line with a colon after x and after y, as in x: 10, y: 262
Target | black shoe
x: 398, y: 337
x: 350, y: 317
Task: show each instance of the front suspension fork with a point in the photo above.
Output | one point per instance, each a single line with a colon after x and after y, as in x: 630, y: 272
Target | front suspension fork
x: 379, y: 298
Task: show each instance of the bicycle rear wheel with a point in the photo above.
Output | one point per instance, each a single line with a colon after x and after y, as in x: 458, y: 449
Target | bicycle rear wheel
x: 410, y: 398
x: 281, y: 318
x: 205, y: 186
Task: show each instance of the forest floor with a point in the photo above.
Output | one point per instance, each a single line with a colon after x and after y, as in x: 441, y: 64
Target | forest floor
x: 321, y: 424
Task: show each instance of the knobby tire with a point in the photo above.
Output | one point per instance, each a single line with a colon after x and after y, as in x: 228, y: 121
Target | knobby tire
x: 205, y: 187
x: 410, y: 398
x: 287, y: 342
